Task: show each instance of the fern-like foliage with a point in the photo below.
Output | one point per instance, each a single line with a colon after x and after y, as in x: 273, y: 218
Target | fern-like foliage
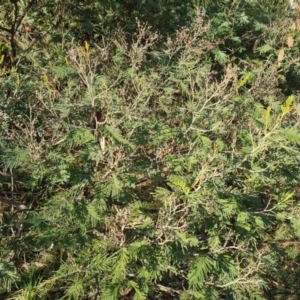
x: 158, y: 156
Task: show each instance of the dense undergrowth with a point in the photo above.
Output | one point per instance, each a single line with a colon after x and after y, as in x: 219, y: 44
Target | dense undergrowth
x: 155, y: 150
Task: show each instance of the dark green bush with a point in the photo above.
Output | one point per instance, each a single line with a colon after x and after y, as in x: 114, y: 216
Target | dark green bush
x: 158, y: 158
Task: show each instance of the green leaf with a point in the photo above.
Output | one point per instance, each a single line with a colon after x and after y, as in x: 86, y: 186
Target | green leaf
x: 139, y: 295
x: 93, y: 211
x: 199, y: 271
x: 220, y: 56
x: 75, y: 291
x: 292, y: 135
x: 205, y: 140
x: 115, y: 186
x: 13, y: 158
x: 180, y: 183
x: 116, y: 134
x: 185, y: 241
x: 78, y: 137
x: 264, y: 49
x: 121, y: 258
x: 62, y: 71
x: 8, y: 274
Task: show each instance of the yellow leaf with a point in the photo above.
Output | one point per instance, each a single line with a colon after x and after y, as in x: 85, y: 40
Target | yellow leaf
x: 180, y: 183
x: 86, y: 46
x: 244, y: 80
x: 289, y: 101
x: 196, y: 181
x: 287, y: 197
x: 286, y: 107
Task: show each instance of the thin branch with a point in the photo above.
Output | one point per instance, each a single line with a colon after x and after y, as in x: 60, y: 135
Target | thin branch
x: 5, y: 29
x: 19, y: 20
x: 167, y: 289
x: 12, y: 203
x: 97, y: 287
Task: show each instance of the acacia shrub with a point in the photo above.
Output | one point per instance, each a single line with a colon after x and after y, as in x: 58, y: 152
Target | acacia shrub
x: 149, y: 174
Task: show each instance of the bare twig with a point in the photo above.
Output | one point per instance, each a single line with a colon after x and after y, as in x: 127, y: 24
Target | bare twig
x: 13, y: 203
